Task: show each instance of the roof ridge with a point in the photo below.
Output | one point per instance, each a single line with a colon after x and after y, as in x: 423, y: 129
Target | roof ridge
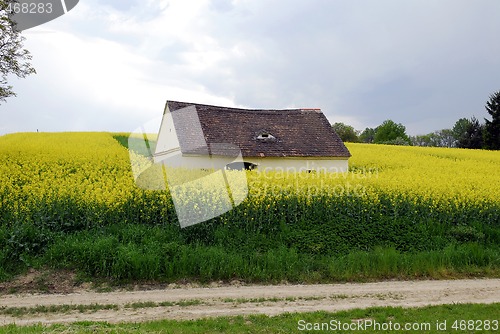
x: 237, y: 109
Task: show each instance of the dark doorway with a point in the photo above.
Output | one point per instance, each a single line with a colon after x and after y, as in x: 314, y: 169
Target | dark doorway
x: 241, y: 166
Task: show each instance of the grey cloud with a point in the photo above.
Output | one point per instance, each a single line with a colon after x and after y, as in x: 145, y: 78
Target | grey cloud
x: 405, y: 60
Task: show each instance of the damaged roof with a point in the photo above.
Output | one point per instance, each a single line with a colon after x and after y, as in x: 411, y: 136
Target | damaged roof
x: 258, y: 132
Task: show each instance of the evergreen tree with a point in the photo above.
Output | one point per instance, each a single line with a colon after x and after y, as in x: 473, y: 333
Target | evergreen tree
x: 468, y: 133
x: 492, y: 128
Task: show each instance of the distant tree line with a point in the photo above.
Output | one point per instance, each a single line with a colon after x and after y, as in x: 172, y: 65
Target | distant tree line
x: 466, y: 133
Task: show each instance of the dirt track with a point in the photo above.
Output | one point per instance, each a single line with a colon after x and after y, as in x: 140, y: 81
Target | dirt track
x: 192, y: 303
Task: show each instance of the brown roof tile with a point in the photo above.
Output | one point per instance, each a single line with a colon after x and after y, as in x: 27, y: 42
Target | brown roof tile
x: 292, y: 132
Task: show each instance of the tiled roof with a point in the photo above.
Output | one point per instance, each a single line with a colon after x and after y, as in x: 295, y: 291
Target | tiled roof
x: 260, y: 133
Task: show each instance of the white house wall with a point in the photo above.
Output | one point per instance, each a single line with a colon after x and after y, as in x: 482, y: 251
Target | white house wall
x: 300, y: 165
x: 176, y: 159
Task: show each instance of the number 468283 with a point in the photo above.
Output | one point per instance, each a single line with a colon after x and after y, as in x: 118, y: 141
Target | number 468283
x: 475, y: 325
x: 30, y: 8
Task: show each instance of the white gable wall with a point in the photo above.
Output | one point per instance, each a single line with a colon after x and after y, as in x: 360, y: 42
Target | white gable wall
x: 167, y: 137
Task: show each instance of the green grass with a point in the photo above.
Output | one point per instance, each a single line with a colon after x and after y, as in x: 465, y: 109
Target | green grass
x: 140, y: 252
x: 181, y: 303
x: 427, y: 318
x: 21, y: 311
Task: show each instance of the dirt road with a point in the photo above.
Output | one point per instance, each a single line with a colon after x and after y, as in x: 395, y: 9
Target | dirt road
x: 192, y: 303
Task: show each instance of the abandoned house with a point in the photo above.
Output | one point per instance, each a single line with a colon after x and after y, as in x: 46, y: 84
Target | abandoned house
x: 197, y: 136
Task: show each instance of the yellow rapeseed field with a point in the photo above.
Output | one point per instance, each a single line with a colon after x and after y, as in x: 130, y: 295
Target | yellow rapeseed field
x: 434, y: 173
x: 90, y: 167
x: 95, y: 168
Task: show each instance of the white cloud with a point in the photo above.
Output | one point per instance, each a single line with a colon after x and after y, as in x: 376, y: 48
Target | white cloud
x: 88, y: 82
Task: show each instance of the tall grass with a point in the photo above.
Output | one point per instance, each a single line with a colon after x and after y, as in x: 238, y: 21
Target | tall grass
x: 143, y: 253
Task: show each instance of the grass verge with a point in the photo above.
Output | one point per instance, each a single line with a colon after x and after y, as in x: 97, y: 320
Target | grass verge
x: 149, y: 257
x: 22, y: 311
x: 456, y: 318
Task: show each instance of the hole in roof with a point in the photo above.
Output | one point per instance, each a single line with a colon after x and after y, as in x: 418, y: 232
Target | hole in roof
x: 266, y: 136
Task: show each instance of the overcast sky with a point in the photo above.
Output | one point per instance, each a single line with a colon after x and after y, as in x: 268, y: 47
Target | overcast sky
x: 111, y: 65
